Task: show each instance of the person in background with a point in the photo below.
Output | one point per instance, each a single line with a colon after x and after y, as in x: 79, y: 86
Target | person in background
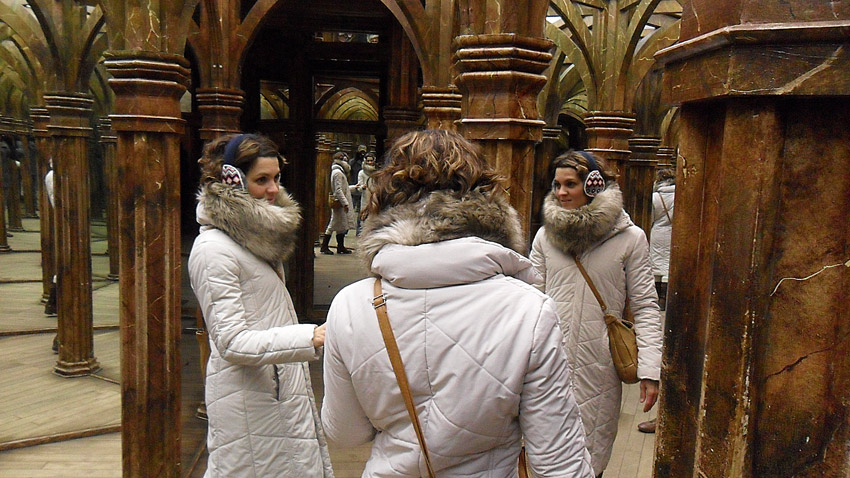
x: 364, y: 182
x: 342, y: 216
x: 263, y: 419
x: 583, y: 219
x: 659, y: 245
x: 480, y: 345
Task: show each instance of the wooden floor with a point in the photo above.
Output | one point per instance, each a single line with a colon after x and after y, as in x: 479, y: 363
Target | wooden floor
x: 35, y: 403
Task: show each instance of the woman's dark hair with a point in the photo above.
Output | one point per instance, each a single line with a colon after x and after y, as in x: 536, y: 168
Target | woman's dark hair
x: 251, y: 147
x: 579, y: 161
x: 665, y: 174
x: 432, y: 160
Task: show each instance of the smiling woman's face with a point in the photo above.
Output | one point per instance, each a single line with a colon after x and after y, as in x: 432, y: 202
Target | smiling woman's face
x: 569, y: 188
x: 263, y: 179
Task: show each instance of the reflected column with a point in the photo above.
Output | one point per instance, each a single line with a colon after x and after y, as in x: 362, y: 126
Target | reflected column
x: 70, y: 129
x: 40, y: 118
x: 108, y: 145
x: 640, y: 176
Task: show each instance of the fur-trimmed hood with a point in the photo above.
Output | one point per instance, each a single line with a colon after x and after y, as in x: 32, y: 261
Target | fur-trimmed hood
x: 441, y: 217
x: 267, y: 231
x: 574, y: 231
x: 343, y: 165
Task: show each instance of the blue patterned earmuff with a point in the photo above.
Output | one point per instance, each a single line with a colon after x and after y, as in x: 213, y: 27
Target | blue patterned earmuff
x: 594, y: 183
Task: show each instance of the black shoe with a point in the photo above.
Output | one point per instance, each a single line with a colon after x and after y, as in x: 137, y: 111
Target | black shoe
x: 343, y: 251
x: 327, y: 251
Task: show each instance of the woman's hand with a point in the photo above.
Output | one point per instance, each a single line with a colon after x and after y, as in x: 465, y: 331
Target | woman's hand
x: 319, y: 337
x: 648, y: 393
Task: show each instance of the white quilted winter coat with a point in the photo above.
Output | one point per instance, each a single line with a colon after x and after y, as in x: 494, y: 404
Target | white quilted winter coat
x: 480, y: 345
x: 615, y: 254
x: 263, y: 420
x: 341, y: 221
x: 662, y: 230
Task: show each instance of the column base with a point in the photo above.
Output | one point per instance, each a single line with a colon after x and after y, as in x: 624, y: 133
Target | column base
x: 5, y: 249
x: 76, y: 369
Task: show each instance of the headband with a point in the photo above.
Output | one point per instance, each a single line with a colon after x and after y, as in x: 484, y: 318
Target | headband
x: 591, y: 162
x: 233, y: 147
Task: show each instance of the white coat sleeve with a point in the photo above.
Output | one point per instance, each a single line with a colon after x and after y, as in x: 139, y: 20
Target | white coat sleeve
x: 548, y: 413
x: 343, y: 418
x: 215, y: 279
x: 538, y: 259
x: 643, y: 301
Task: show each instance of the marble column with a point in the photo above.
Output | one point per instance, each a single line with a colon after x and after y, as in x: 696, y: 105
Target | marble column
x: 220, y: 110
x: 608, y: 134
x: 12, y: 180
x: 500, y: 78
x: 441, y: 106
x: 40, y: 119
x: 30, y: 187
x: 147, y: 120
x: 4, y: 241
x: 109, y: 145
x: 640, y: 177
x: 70, y: 129
x: 756, y: 381
x: 544, y: 154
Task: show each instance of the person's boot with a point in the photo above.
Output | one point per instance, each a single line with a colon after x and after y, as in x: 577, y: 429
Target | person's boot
x: 50, y: 306
x: 325, y: 249
x: 340, y: 245
x: 55, y: 346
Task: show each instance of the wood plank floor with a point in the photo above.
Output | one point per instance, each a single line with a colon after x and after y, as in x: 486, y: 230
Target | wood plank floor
x: 34, y: 402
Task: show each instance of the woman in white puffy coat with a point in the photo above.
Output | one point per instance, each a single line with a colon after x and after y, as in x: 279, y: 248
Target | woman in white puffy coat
x: 263, y: 420
x: 615, y: 254
x: 480, y: 345
x: 662, y: 230
x: 342, y: 216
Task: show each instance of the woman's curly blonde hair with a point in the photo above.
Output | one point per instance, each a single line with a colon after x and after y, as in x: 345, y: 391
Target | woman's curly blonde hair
x: 431, y: 160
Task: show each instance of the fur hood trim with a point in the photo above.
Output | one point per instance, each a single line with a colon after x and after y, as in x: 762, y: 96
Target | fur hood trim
x: 267, y: 231
x: 344, y: 166
x: 574, y: 231
x: 440, y: 217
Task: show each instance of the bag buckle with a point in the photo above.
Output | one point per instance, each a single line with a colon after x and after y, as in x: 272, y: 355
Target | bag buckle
x: 379, y: 301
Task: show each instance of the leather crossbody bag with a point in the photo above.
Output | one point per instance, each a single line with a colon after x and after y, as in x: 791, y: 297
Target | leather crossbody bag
x: 622, y: 340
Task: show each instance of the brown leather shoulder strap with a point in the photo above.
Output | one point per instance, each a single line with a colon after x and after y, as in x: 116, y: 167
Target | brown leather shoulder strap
x: 380, y: 304
x: 666, y: 211
x: 592, y: 287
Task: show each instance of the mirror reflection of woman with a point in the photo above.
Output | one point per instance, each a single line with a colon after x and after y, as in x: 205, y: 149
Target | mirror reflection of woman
x: 615, y: 253
x: 263, y: 420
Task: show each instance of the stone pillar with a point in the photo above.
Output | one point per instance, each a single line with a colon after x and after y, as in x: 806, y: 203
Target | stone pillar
x: 4, y: 241
x: 108, y: 145
x: 756, y: 374
x: 148, y: 87
x: 324, y: 153
x: 441, y: 106
x: 12, y: 179
x: 544, y: 154
x: 640, y: 177
x: 40, y: 118
x: 500, y: 78
x: 70, y: 129
x: 608, y: 134
x: 220, y: 110
x: 30, y: 187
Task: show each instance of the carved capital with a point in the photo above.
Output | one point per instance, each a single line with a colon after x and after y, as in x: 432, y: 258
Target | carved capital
x: 70, y: 114
x: 666, y: 157
x: 148, y: 87
x: 220, y: 110
x: 442, y: 106
x: 40, y: 118
x: 644, y: 148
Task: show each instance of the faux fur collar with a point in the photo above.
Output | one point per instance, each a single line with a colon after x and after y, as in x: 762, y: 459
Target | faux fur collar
x: 344, y: 166
x: 267, y: 230
x: 441, y: 217
x: 574, y: 231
